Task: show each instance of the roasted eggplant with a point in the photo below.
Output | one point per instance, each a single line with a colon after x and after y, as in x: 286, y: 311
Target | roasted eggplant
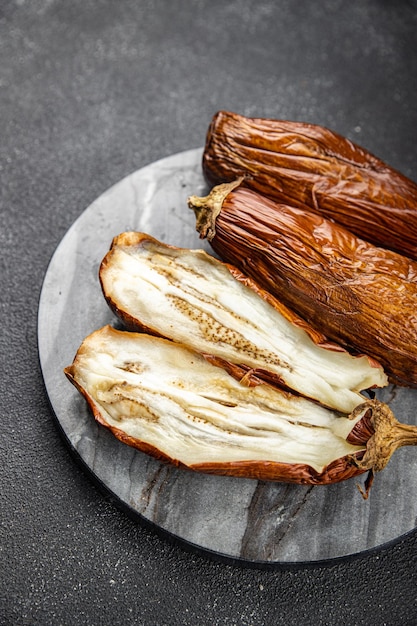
x: 171, y: 403
x: 360, y: 296
x: 311, y: 167
x: 192, y: 298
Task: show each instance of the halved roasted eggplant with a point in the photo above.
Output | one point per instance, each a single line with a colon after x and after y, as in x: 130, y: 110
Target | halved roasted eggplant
x: 192, y: 298
x: 170, y: 402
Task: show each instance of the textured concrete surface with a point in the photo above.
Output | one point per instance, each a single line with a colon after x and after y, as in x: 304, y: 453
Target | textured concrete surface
x: 90, y: 91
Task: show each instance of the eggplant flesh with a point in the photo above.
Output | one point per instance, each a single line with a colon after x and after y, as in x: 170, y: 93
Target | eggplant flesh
x: 196, y: 300
x: 170, y: 402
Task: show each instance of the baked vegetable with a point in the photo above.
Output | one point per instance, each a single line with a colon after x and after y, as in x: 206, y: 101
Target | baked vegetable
x: 357, y: 294
x: 192, y: 298
x: 170, y: 402
x: 312, y: 167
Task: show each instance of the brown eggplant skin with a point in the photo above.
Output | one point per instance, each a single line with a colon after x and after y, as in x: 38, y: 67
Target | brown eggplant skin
x: 310, y: 166
x: 358, y: 295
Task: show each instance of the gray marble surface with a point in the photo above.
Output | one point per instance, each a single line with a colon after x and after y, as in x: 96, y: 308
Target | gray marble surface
x: 255, y: 522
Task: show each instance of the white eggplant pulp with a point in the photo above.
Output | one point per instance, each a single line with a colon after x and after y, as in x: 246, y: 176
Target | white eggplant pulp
x: 152, y: 392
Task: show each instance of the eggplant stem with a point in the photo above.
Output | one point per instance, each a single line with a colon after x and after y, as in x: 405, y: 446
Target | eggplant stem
x: 207, y: 208
x: 368, y: 484
x: 389, y: 435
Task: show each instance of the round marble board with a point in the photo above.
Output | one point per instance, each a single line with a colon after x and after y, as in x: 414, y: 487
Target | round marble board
x: 245, y: 521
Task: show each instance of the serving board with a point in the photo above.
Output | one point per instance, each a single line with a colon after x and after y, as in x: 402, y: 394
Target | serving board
x: 245, y: 521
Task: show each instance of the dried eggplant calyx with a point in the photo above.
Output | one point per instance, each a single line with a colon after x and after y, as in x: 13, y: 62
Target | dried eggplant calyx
x: 360, y: 296
x: 192, y: 298
x: 170, y: 402
x: 310, y: 166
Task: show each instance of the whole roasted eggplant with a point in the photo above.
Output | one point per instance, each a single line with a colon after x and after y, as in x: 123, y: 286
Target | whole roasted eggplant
x: 170, y: 402
x: 360, y: 296
x: 312, y: 167
x: 194, y: 299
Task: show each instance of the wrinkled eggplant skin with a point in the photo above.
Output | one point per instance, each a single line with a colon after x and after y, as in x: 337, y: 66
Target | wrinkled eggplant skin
x: 296, y: 473
x: 312, y: 167
x: 358, y: 295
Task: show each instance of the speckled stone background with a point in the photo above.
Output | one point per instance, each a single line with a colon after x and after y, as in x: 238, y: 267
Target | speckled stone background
x: 90, y: 91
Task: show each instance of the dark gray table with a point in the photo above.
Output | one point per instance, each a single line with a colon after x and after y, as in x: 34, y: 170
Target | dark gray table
x: 90, y: 92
